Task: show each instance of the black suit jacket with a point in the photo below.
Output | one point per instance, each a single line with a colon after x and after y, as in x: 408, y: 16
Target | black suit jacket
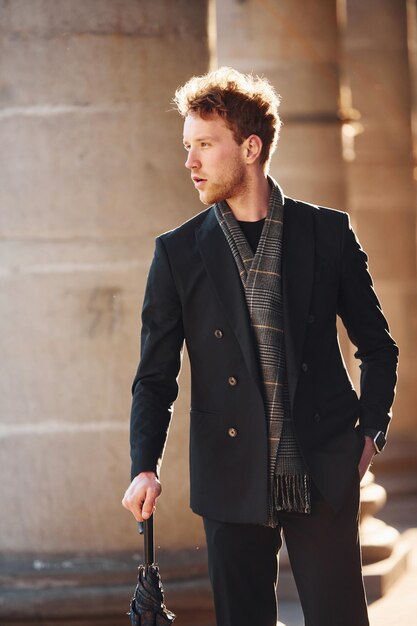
x: 193, y: 292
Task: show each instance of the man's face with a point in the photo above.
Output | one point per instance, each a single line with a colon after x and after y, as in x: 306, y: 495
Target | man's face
x: 215, y: 160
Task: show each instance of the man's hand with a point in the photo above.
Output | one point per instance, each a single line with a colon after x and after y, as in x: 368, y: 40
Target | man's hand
x: 367, y: 456
x: 140, y: 497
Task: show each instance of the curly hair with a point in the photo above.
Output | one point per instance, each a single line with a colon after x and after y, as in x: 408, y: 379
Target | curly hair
x: 247, y: 103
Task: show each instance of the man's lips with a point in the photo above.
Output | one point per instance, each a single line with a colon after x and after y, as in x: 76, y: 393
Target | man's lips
x: 198, y: 180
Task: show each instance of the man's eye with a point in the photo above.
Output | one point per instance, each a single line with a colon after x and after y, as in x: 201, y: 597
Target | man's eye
x: 186, y: 148
x: 204, y: 144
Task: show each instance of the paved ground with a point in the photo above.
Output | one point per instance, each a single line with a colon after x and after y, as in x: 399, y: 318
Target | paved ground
x: 399, y: 606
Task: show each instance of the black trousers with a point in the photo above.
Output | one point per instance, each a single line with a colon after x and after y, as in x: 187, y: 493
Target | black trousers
x: 324, y: 552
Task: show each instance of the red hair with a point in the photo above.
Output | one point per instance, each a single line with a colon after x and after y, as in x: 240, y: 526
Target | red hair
x: 248, y: 104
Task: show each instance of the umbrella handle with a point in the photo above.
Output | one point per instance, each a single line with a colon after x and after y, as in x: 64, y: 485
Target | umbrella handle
x: 146, y: 528
x: 149, y: 545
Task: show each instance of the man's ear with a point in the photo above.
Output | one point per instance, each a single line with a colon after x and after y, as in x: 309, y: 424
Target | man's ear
x: 253, y: 148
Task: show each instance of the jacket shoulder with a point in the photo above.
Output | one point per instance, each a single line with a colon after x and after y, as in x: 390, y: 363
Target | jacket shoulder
x: 316, y: 210
x: 185, y: 230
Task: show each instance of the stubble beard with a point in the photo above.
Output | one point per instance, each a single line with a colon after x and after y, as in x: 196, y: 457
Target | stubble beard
x: 233, y: 183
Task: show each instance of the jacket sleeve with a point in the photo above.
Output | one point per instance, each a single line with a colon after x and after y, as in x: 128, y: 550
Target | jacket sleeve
x: 362, y: 316
x: 155, y: 385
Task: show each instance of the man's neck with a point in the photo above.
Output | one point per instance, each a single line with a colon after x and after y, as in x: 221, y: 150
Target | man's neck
x: 252, y: 204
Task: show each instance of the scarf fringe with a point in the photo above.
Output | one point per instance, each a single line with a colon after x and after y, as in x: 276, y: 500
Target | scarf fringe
x: 291, y: 493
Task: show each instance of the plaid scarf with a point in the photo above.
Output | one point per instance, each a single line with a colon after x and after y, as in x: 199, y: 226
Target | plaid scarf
x: 261, y: 278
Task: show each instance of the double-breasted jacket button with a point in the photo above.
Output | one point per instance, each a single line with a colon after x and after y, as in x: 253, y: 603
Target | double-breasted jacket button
x: 317, y: 417
x: 304, y: 367
x: 232, y: 381
x: 218, y: 333
x: 310, y: 319
x: 232, y: 432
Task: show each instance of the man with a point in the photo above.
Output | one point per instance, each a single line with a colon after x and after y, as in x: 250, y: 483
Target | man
x: 279, y: 439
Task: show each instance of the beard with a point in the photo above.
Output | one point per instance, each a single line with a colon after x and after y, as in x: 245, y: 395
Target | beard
x: 232, y: 182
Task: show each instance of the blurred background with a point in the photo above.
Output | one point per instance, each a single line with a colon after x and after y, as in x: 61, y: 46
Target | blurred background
x: 91, y: 170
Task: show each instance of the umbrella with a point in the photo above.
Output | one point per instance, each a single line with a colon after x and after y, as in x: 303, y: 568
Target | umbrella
x: 147, y: 607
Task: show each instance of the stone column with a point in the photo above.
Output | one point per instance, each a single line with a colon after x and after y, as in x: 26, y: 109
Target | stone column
x: 91, y: 171
x: 382, y: 191
x: 295, y: 45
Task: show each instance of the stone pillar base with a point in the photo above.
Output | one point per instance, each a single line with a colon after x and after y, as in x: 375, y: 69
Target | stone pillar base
x: 93, y: 591
x: 380, y: 576
x: 384, y: 554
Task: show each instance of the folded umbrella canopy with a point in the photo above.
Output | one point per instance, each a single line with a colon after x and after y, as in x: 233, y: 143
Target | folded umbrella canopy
x: 147, y: 607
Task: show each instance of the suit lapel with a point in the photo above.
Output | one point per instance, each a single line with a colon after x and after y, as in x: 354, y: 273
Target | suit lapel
x: 298, y: 275
x: 222, y: 271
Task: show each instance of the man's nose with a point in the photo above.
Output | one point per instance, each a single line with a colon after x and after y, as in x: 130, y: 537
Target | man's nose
x: 192, y: 161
